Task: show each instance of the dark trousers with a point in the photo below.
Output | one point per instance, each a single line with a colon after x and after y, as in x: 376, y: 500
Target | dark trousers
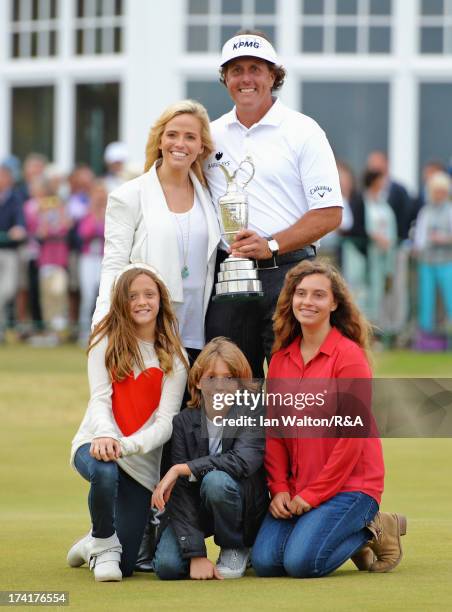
x: 34, y: 299
x: 116, y: 502
x: 249, y: 324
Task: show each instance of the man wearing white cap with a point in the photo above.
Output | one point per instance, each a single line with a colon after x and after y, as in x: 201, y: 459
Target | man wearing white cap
x: 115, y: 156
x: 294, y: 197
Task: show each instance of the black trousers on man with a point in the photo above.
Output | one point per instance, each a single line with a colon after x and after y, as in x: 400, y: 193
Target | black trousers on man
x: 249, y: 324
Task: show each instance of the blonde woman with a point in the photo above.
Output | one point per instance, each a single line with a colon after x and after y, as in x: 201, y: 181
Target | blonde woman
x: 166, y: 218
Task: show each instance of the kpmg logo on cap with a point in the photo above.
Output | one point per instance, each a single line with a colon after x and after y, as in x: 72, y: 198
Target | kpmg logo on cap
x: 247, y: 43
x: 254, y: 46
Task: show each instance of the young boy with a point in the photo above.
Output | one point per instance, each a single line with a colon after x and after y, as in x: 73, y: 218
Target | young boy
x: 217, y: 483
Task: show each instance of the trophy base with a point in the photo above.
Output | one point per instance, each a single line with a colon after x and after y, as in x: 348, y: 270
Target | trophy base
x: 239, y: 296
x: 238, y: 280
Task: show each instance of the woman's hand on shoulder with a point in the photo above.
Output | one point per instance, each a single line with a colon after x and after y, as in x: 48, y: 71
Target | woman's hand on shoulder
x: 105, y: 449
x: 279, y: 505
x: 203, y: 569
x: 299, y: 506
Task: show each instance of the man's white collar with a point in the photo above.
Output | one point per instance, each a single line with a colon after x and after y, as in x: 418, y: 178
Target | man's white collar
x: 274, y: 116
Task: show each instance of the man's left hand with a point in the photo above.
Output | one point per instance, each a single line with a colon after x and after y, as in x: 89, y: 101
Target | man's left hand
x: 251, y: 245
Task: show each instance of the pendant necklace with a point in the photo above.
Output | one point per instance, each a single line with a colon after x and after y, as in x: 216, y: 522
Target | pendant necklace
x: 184, y: 232
x: 185, y: 235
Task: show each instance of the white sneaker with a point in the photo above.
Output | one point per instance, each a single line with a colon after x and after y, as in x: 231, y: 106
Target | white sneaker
x: 102, y: 554
x: 105, y: 555
x: 232, y: 562
x: 79, y: 552
x: 105, y: 566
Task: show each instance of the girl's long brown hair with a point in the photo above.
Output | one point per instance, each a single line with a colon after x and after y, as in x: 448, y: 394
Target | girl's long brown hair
x: 347, y: 317
x: 229, y: 352
x: 123, y: 351
x: 190, y: 107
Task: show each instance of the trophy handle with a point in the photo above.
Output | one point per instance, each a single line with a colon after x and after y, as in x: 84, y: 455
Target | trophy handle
x: 248, y: 161
x: 229, y: 177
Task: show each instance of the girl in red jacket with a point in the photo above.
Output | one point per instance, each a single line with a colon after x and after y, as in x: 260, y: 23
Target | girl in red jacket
x: 325, y: 491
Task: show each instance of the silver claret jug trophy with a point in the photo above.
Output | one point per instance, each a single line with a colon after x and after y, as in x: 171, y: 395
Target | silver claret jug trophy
x: 237, y: 279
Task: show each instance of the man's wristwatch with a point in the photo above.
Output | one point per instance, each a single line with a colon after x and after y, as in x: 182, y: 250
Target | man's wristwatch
x: 273, y: 246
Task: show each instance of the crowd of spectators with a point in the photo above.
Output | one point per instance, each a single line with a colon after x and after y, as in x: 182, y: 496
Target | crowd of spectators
x: 394, y: 250
x: 51, y: 245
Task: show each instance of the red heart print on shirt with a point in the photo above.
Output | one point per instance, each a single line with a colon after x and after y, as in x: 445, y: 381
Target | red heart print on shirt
x: 135, y: 399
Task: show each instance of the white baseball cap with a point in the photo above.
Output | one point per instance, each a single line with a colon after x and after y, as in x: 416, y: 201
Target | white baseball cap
x: 115, y: 152
x: 439, y: 180
x: 248, y: 45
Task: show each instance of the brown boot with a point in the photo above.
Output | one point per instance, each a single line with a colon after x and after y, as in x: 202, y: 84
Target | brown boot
x: 364, y: 558
x: 387, y: 529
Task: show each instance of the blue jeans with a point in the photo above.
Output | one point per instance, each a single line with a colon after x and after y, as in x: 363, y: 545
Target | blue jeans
x: 222, y: 502
x: 116, y: 502
x: 432, y: 276
x: 317, y: 542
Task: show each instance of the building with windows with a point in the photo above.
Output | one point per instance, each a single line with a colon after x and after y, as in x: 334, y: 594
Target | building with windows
x: 77, y: 74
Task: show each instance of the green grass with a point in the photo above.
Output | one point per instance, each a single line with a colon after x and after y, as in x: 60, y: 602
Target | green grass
x: 43, y: 396
x: 413, y: 365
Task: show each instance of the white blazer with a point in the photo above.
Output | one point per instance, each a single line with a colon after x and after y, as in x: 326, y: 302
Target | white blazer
x: 139, y: 229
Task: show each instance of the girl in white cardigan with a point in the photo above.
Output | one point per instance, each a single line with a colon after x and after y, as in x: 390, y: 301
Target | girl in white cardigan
x: 166, y: 218
x: 137, y: 372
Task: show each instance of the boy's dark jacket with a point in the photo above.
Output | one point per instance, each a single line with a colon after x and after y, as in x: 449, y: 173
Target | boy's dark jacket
x: 242, y: 458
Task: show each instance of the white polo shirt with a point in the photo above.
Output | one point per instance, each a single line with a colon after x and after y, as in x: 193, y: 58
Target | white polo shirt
x: 295, y: 166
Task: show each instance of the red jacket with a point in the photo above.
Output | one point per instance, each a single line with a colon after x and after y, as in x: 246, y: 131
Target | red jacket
x: 319, y: 468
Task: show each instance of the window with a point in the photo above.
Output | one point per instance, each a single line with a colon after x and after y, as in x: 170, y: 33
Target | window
x: 435, y: 27
x: 33, y: 28
x: 97, y: 120
x: 98, y: 27
x: 356, y: 123
x: 210, y: 23
x: 345, y: 26
x: 435, y: 126
x: 32, y: 121
x: 212, y: 95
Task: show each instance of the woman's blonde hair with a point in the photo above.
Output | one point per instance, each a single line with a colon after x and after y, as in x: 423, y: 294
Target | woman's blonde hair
x: 347, y: 317
x: 191, y: 107
x: 123, y: 351
x: 224, y: 349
